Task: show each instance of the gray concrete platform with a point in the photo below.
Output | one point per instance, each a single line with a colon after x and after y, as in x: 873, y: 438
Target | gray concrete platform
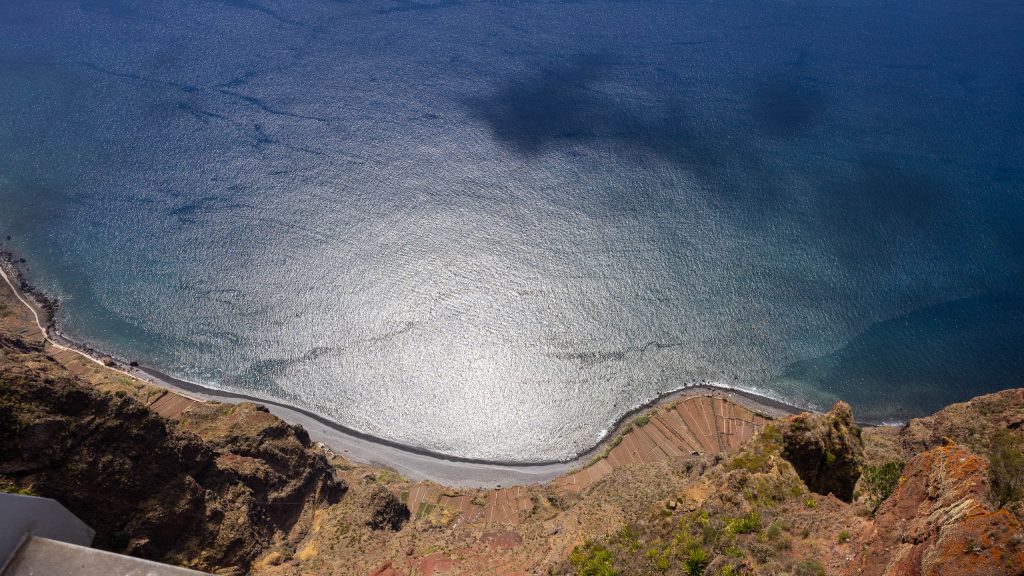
x: 44, y: 557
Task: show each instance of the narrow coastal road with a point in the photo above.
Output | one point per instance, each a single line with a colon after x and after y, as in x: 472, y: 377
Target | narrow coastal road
x: 693, y: 420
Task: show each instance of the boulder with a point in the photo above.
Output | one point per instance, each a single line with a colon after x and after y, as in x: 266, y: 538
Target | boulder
x: 383, y: 509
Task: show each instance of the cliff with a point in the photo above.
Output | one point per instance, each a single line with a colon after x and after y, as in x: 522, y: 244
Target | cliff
x: 233, y: 489
x: 210, y: 492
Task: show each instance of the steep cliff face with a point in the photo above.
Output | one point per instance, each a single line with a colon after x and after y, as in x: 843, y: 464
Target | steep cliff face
x: 939, y: 522
x: 826, y: 450
x: 205, y: 495
x: 970, y: 423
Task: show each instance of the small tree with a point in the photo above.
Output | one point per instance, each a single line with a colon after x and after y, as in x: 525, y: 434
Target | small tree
x: 1006, y: 468
x: 879, y: 482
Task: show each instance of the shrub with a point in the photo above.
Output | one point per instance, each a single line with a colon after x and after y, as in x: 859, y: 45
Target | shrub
x: 629, y: 539
x: 592, y: 560
x: 757, y: 455
x: 777, y: 537
x: 642, y: 421
x: 879, y: 482
x: 10, y: 487
x: 696, y: 561
x: 745, y: 525
x: 661, y: 560
x: 809, y: 568
x: 709, y: 533
x: 844, y: 537
x: 765, y: 491
x: 1006, y: 468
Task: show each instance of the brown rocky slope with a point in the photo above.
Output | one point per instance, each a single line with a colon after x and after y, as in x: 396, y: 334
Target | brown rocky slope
x: 210, y: 492
x: 940, y: 521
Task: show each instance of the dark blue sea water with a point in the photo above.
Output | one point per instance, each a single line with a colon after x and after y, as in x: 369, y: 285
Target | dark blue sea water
x: 490, y: 228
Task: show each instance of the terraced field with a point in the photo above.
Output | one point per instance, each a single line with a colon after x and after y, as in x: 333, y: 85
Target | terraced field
x: 704, y: 424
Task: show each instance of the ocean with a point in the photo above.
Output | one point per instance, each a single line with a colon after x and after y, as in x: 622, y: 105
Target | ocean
x: 490, y: 229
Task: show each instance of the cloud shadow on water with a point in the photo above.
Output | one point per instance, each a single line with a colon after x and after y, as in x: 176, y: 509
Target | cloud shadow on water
x: 565, y: 106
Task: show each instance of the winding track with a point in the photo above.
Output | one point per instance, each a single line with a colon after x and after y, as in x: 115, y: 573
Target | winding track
x: 46, y: 335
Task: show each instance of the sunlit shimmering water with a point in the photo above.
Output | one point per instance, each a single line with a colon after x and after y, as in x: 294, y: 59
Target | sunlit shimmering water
x: 490, y: 229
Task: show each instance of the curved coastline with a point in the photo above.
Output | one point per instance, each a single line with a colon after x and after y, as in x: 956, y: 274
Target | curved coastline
x: 413, y: 462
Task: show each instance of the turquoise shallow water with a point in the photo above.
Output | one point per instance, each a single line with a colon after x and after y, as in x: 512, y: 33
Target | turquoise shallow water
x: 489, y: 229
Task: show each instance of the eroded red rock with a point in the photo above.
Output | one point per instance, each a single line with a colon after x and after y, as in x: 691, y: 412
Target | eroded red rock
x: 938, y: 522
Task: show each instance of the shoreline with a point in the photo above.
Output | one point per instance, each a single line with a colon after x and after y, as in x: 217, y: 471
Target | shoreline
x: 410, y: 461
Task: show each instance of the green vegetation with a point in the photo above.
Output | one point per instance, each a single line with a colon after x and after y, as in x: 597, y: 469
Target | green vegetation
x: 767, y: 491
x: 809, y: 568
x: 592, y: 560
x: 759, y: 454
x: 687, y: 545
x: 661, y: 560
x: 628, y: 538
x: 747, y: 525
x: 385, y: 476
x: 844, y: 537
x: 3, y: 309
x: 696, y: 560
x: 725, y: 535
x: 425, y: 509
x: 642, y: 421
x: 879, y: 482
x: 775, y: 535
x: 1006, y: 468
x: 10, y: 487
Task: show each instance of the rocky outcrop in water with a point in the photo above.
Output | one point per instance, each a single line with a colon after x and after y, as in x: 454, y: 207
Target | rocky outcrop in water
x: 826, y: 450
